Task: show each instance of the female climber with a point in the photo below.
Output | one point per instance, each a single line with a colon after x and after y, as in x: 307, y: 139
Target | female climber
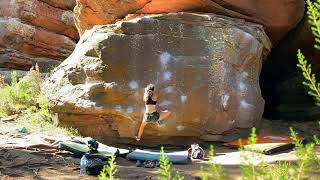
x: 151, y: 114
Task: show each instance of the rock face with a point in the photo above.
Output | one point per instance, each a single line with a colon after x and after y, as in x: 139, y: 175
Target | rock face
x: 205, y: 66
x: 32, y: 31
x: 278, y: 16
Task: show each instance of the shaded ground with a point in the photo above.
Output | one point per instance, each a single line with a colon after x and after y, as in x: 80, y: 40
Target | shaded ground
x: 39, y: 162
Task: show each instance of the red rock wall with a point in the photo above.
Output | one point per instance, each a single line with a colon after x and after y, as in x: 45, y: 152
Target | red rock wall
x: 32, y: 31
x: 278, y: 16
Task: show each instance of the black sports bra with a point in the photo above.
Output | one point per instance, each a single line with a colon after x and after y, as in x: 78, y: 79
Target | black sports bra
x: 150, y: 101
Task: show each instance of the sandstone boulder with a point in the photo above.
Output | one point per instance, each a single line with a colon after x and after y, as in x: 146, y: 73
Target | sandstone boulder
x: 278, y: 16
x: 36, y: 31
x: 205, y: 66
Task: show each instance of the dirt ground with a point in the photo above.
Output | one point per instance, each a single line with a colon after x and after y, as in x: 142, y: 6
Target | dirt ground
x: 23, y: 157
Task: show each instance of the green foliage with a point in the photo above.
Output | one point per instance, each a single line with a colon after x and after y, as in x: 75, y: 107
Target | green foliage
x: 19, y: 95
x: 306, y: 157
x: 310, y: 78
x: 306, y: 153
x: 178, y: 176
x: 14, y: 78
x: 166, y: 168
x: 203, y: 174
x: 281, y: 171
x: 253, y: 138
x: 24, y: 96
x: 216, y: 170
x: 316, y: 139
x: 109, y: 171
x: 251, y: 170
x: 253, y: 166
x: 314, y: 19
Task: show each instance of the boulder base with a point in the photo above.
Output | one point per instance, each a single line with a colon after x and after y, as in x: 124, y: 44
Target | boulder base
x: 206, y: 68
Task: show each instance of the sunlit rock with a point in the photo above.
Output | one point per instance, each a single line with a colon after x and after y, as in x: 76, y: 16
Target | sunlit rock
x: 206, y: 68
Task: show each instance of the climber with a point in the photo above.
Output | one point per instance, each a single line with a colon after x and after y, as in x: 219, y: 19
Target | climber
x: 151, y: 114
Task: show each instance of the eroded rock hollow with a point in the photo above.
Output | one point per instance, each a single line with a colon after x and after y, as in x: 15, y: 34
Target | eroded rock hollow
x: 205, y: 66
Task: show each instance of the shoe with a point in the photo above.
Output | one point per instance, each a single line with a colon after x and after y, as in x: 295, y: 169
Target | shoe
x: 138, y: 139
x: 150, y: 164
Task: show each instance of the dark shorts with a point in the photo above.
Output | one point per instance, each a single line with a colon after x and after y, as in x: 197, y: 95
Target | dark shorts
x: 151, y: 117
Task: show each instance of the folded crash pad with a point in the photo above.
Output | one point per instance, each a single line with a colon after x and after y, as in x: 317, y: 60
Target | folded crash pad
x: 266, y: 144
x: 179, y: 157
x: 79, y: 149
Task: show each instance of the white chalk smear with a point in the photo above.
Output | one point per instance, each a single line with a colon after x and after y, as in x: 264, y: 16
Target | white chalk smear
x: 133, y: 84
x: 242, y: 86
x: 180, y: 127
x: 165, y: 57
x: 225, y: 99
x: 130, y: 109
x: 183, y: 99
x: 244, y: 104
x: 165, y: 103
x: 166, y: 75
x: 245, y: 74
x: 118, y: 108
x: 196, y: 120
x: 169, y: 89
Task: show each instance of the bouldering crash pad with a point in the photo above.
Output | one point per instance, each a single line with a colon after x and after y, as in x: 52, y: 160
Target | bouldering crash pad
x: 179, y: 157
x: 266, y: 143
x: 79, y: 148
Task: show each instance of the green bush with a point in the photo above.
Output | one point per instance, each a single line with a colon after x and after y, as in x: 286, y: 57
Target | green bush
x: 109, y: 171
x: 24, y: 97
x: 19, y: 95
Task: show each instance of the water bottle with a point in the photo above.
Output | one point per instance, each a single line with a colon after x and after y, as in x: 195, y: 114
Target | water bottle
x: 83, y: 166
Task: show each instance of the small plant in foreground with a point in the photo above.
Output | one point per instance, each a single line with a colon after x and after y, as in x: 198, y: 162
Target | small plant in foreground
x: 306, y: 157
x: 253, y: 166
x: 109, y: 171
x: 281, y: 171
x: 216, y: 171
x: 310, y: 78
x: 203, y: 175
x: 166, y: 168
